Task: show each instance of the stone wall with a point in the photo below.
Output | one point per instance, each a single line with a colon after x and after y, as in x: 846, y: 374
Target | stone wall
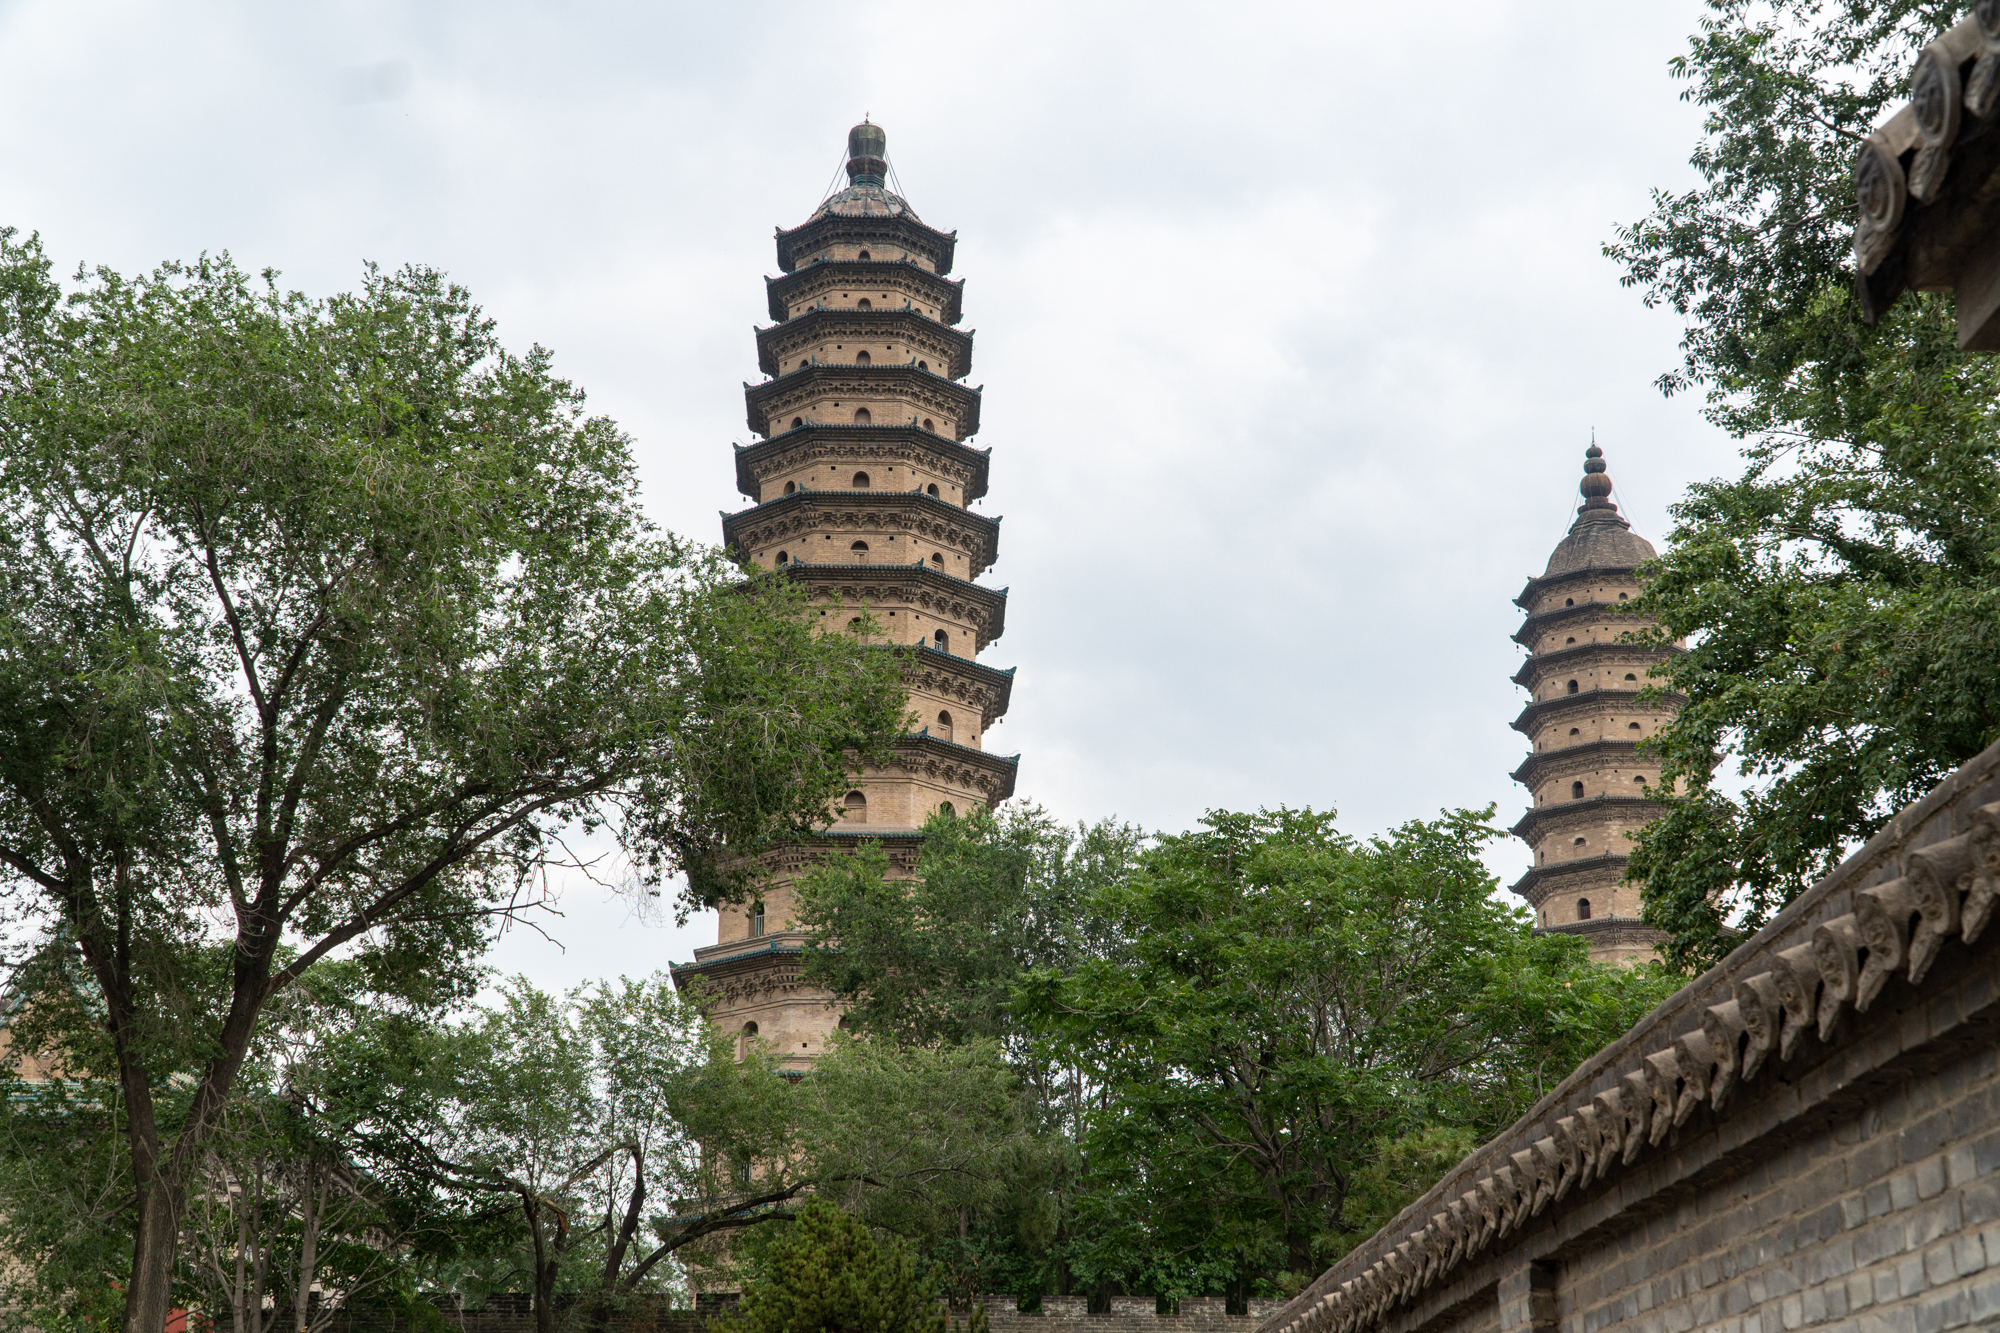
x: 513, y: 1313
x: 1806, y: 1137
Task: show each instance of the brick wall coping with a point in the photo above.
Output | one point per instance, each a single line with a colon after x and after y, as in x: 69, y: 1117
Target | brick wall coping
x: 1928, y: 882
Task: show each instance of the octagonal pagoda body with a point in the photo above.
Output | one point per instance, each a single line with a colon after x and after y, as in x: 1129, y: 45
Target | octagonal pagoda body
x: 1588, y: 774
x: 862, y: 485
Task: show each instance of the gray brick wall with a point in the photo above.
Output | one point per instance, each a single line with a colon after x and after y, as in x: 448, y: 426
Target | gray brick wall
x: 1886, y: 1220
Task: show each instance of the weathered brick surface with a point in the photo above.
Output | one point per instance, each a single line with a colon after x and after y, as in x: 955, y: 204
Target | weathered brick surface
x: 1850, y: 1185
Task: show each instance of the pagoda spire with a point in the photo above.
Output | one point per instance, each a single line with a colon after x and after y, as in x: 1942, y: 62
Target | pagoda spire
x: 1591, y: 775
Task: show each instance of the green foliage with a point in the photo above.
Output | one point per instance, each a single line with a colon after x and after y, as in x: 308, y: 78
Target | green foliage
x: 570, y: 1143
x: 325, y: 621
x: 828, y: 1275
x: 1843, y: 594
x: 65, y: 1180
x: 1396, y: 1174
x: 930, y: 961
x: 276, y: 1205
x: 931, y: 958
x: 1287, y: 999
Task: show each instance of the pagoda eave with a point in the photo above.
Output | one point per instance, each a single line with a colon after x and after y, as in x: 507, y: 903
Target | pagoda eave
x: 1610, y: 932
x: 919, y: 513
x: 1643, y: 654
x: 1584, y: 867
x: 987, y: 607
x: 1587, y: 611
x: 980, y: 770
x: 947, y: 294
x: 1535, y: 713
x: 998, y: 686
x: 1538, y: 765
x: 803, y: 241
x: 1569, y: 812
x: 899, y: 443
x: 1537, y: 582
x: 941, y: 395
x: 833, y: 321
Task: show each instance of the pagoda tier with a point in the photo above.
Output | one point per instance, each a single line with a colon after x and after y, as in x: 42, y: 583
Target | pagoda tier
x: 1590, y: 773
x: 899, y: 395
x: 963, y: 681
x: 799, y: 455
x: 865, y: 526
x: 1620, y: 662
x: 826, y: 237
x: 926, y: 600
x: 866, y: 284
x: 837, y: 335
x: 860, y: 487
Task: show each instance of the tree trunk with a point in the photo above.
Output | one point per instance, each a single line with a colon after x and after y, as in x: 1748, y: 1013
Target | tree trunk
x: 545, y: 1296
x: 150, y: 1294
x: 150, y: 1297
x: 311, y: 1212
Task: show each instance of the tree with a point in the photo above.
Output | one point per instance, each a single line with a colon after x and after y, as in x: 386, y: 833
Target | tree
x: 601, y: 1129
x: 277, y: 1205
x: 828, y: 1275
x: 1288, y: 1000
x: 324, y: 624
x: 279, y: 1208
x: 929, y: 962
x: 1843, y: 594
x: 931, y: 959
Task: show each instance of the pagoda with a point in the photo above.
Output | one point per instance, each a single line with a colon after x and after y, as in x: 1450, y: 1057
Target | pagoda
x: 1589, y: 775
x: 861, y: 483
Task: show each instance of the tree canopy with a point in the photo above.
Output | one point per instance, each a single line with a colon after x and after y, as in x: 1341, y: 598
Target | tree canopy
x: 1290, y: 1001
x: 325, y: 627
x: 1843, y: 594
x: 1243, y: 1047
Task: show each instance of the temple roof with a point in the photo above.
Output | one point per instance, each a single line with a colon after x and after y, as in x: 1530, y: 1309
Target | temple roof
x: 1924, y: 182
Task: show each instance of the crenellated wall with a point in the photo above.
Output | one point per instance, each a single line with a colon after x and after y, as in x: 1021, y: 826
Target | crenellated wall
x: 1807, y: 1136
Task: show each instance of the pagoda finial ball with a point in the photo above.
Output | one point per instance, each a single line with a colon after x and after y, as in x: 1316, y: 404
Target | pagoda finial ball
x: 1596, y: 485
x: 866, y: 140
x: 867, y: 155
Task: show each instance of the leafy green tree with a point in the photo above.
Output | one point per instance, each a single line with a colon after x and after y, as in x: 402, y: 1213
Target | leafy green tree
x: 1288, y: 998
x: 276, y: 1203
x: 929, y: 963
x: 931, y: 958
x: 600, y: 1130
x: 829, y: 1275
x: 322, y: 622
x: 1843, y: 593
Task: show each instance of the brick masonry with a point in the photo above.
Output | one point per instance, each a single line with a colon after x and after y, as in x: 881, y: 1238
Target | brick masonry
x: 1850, y: 1184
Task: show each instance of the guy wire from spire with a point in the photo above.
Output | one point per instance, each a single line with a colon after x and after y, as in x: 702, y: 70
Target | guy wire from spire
x: 833, y: 186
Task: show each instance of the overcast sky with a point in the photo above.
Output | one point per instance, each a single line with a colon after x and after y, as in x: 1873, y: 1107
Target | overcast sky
x: 1292, y: 316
